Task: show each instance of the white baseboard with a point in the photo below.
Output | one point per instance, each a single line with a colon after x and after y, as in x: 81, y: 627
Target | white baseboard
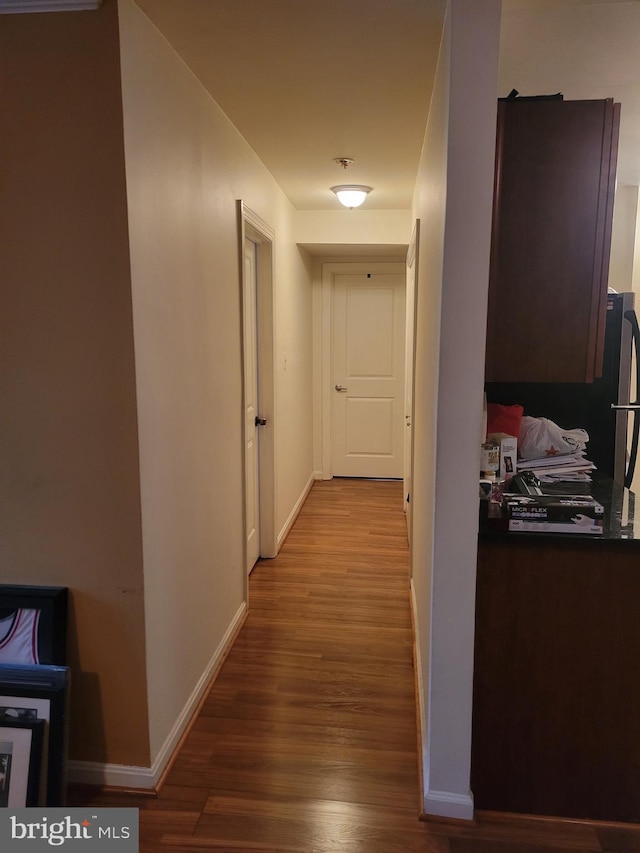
x: 295, y: 511
x: 125, y: 776
x: 421, y: 709
x: 418, y: 668
x: 111, y: 775
x: 446, y: 804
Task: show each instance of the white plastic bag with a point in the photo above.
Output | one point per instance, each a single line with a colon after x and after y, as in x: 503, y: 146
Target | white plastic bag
x: 541, y: 437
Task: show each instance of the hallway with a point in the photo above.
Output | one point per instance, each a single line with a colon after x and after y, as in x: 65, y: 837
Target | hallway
x: 307, y: 740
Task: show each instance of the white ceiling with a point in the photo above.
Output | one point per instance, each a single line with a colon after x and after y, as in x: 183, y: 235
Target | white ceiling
x: 306, y: 81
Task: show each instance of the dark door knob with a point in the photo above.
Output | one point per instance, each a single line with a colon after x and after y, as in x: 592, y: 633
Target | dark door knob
x: 261, y: 421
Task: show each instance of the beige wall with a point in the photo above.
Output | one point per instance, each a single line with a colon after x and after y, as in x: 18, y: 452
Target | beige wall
x: 186, y: 167
x: 365, y: 227
x: 69, y: 481
x: 454, y: 198
x: 623, y: 238
x: 117, y: 459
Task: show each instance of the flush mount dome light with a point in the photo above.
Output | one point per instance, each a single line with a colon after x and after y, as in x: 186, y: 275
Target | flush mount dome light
x: 351, y: 195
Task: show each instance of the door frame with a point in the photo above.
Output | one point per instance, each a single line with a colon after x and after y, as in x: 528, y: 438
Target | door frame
x: 251, y: 404
x: 252, y: 227
x: 410, y: 365
x: 328, y: 272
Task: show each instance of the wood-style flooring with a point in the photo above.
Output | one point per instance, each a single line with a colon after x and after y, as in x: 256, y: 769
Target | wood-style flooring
x: 307, y: 741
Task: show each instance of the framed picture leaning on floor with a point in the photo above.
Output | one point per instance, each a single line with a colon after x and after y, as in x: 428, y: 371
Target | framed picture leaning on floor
x: 33, y: 624
x: 20, y: 762
x: 37, y: 696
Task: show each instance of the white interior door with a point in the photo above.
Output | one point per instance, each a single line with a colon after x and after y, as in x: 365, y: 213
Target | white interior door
x: 367, y: 411
x: 252, y: 458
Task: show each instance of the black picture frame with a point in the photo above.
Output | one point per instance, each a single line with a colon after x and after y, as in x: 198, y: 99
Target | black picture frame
x: 20, y: 762
x: 44, y: 689
x: 49, y: 604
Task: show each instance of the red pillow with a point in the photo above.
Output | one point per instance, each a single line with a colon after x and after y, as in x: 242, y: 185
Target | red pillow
x: 504, y: 419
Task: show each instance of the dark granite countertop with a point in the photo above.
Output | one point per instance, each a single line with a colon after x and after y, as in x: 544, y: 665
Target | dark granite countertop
x: 621, y: 522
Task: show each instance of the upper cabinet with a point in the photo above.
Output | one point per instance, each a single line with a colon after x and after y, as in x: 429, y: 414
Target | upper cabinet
x: 553, y: 208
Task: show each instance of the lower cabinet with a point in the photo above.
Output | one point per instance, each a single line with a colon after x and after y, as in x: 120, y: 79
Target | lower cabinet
x: 556, y: 707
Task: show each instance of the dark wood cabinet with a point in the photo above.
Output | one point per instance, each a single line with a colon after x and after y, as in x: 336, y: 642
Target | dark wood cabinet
x: 553, y: 208
x: 556, y: 708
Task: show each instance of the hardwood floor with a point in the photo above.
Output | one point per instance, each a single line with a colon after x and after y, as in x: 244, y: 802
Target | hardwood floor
x: 307, y: 740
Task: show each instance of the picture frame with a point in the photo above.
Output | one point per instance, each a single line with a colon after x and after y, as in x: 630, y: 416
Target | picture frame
x: 20, y: 762
x: 33, y: 624
x: 40, y: 693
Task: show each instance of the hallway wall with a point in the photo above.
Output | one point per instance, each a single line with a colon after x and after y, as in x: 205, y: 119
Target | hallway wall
x: 186, y: 167
x: 69, y: 483
x: 387, y: 228
x: 114, y: 464
x: 453, y: 200
x: 122, y: 470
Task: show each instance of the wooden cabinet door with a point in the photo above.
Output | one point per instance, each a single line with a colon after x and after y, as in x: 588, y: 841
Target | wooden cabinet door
x: 556, y: 700
x: 553, y: 207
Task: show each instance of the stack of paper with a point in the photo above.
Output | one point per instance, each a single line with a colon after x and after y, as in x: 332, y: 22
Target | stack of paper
x: 567, y: 467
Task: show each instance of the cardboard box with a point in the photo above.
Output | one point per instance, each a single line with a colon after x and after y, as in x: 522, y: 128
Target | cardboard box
x: 554, y: 513
x: 522, y: 525
x: 554, y: 508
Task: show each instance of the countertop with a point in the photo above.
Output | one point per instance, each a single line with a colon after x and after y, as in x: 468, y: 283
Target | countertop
x: 621, y: 521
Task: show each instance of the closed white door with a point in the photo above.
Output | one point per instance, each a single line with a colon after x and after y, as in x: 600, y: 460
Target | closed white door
x: 367, y: 411
x: 252, y: 475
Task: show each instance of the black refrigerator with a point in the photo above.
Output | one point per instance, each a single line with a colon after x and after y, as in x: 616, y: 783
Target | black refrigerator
x: 604, y: 407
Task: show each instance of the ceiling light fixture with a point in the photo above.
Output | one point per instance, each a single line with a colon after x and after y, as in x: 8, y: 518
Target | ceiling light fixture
x: 351, y: 195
